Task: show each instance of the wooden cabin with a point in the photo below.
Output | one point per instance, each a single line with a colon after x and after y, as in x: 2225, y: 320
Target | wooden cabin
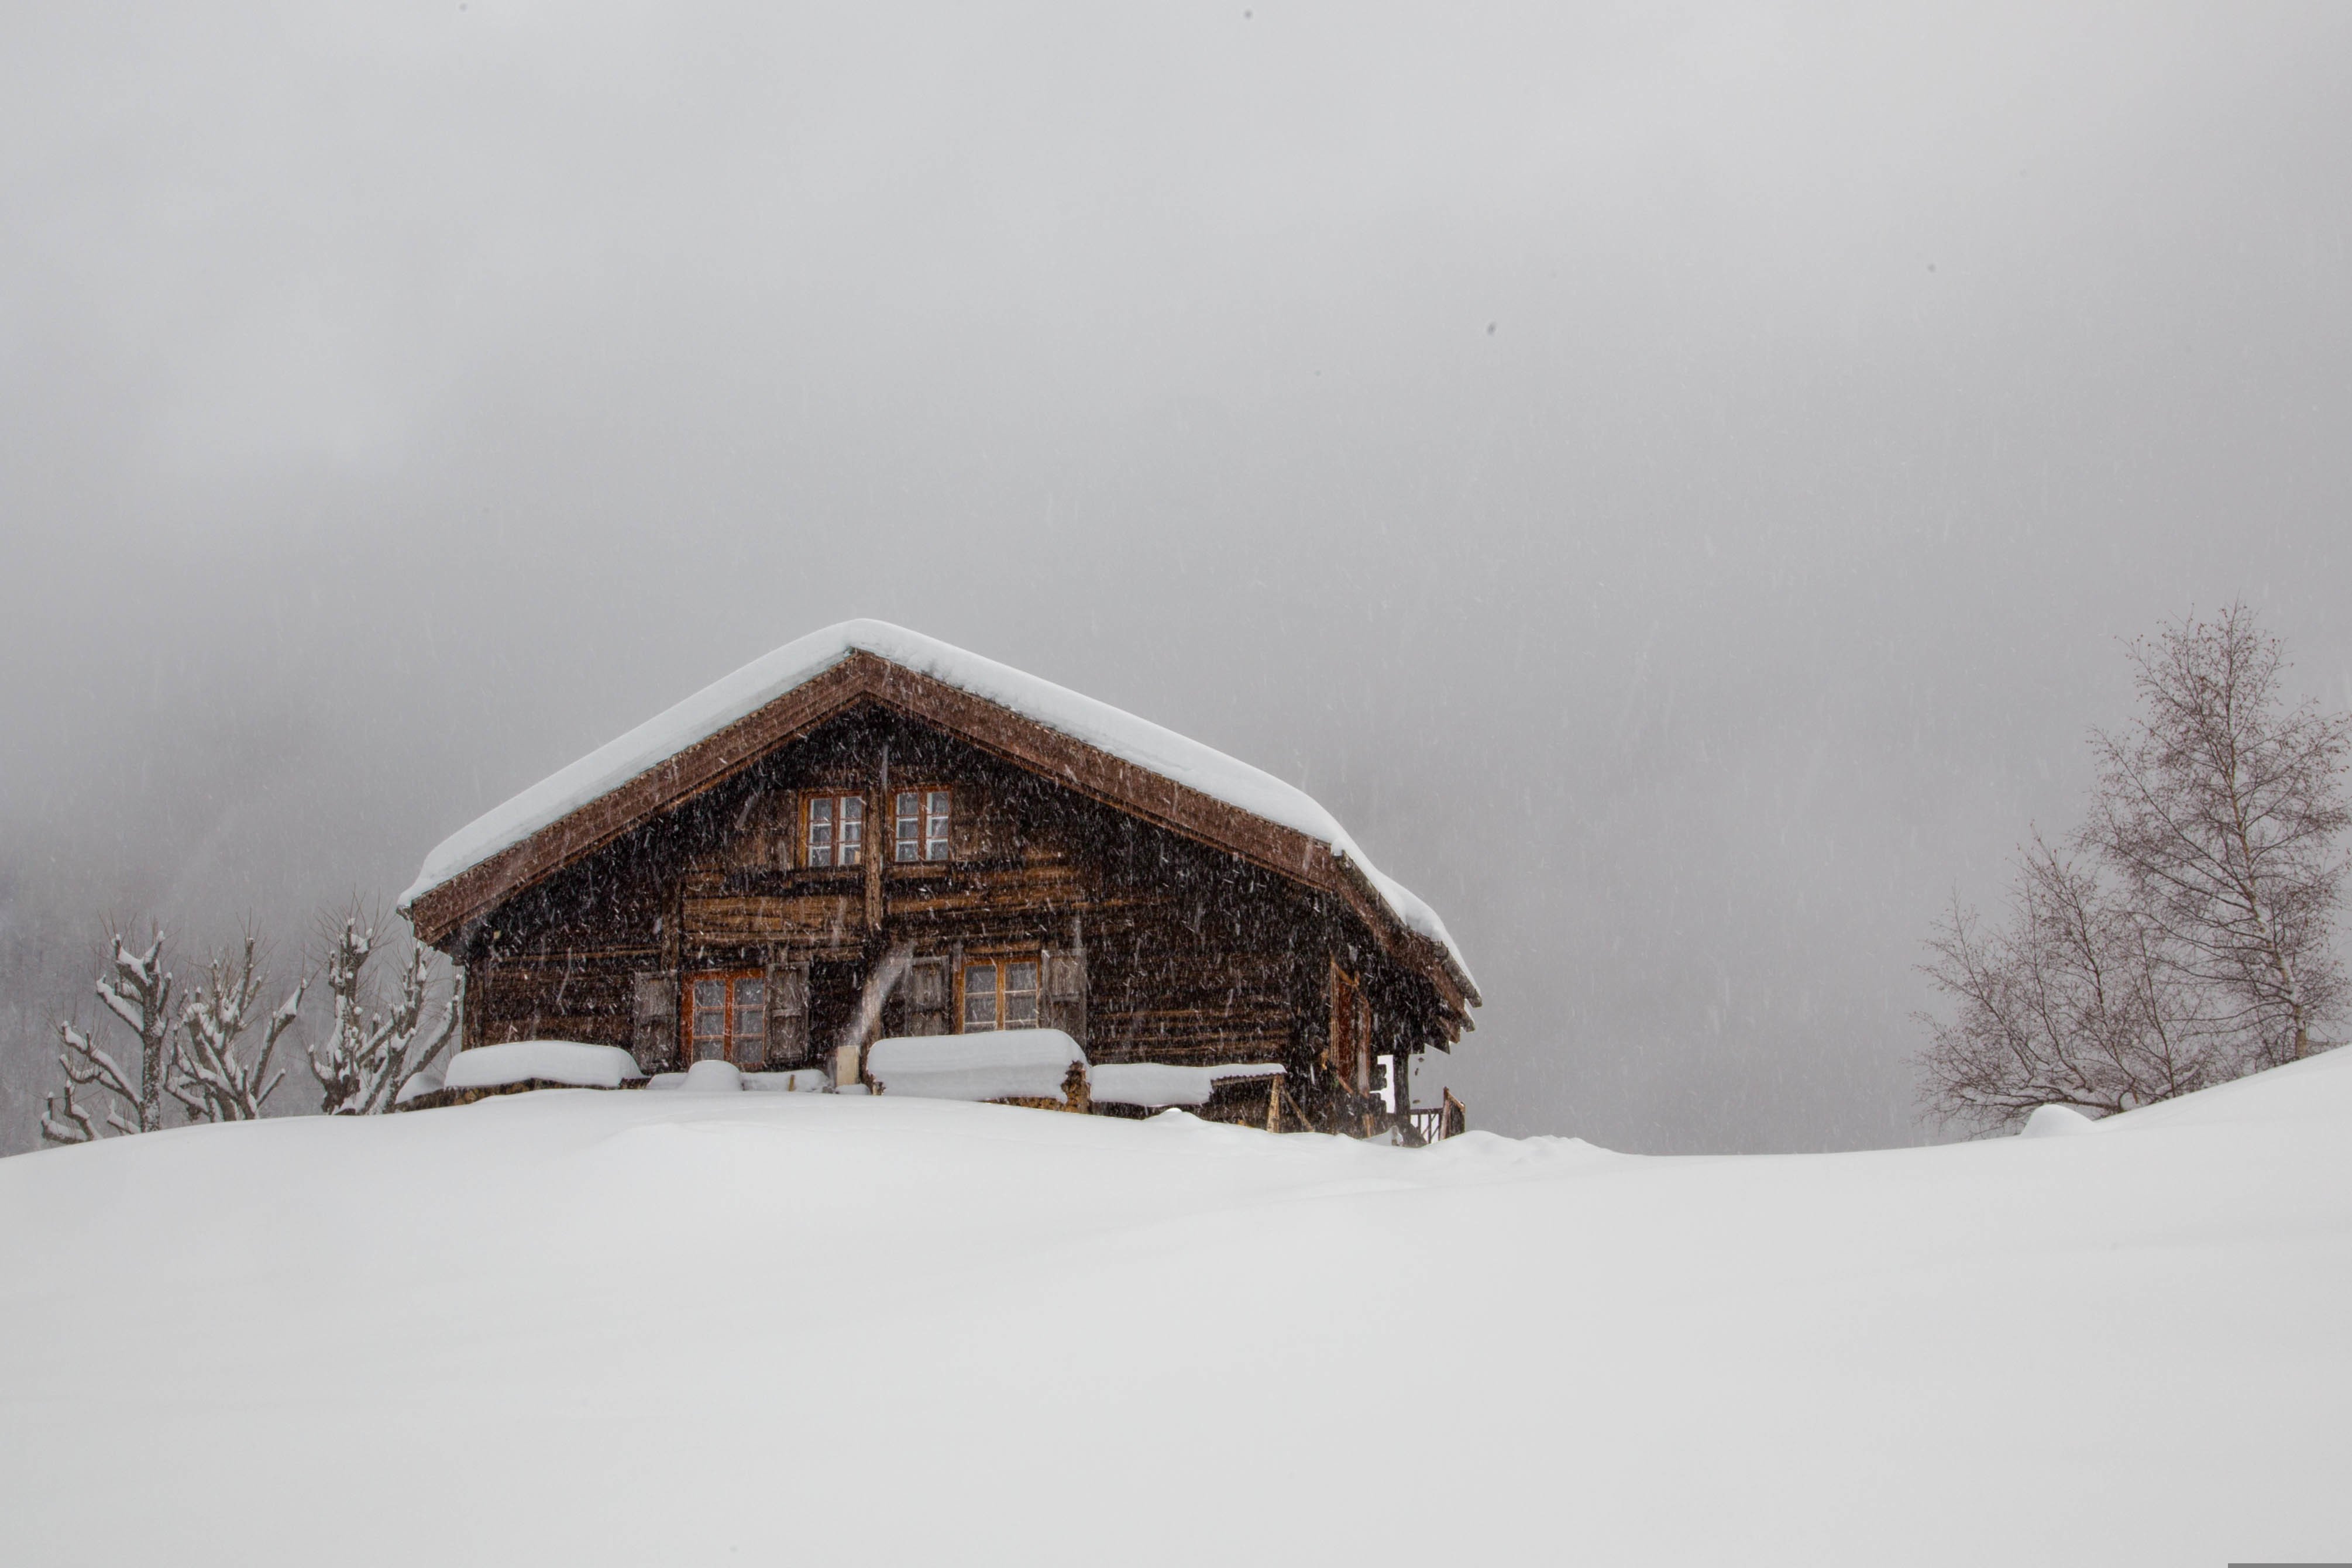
x: 868, y: 833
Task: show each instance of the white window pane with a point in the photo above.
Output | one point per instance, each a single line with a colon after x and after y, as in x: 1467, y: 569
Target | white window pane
x: 906, y: 801
x: 1021, y: 977
x: 820, y: 832
x: 979, y: 997
x: 852, y: 810
x: 1020, y: 1009
x: 709, y: 994
x: 751, y: 992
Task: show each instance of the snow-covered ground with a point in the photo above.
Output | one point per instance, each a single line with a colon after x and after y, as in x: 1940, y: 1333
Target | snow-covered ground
x: 636, y: 1328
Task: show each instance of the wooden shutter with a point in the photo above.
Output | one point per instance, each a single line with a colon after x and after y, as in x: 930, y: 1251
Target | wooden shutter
x: 964, y: 822
x: 752, y: 1051
x: 653, y: 1035
x: 788, y: 1024
x: 1066, y: 995
x: 926, y: 993
x: 1345, y: 1051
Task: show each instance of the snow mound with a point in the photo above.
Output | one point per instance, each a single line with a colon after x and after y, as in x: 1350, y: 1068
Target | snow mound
x: 546, y: 1061
x: 1007, y: 1064
x: 712, y: 1077
x: 2055, y: 1121
x: 1164, y: 1083
x: 762, y: 681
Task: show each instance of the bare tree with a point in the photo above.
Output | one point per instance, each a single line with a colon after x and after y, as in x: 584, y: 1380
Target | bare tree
x: 137, y: 991
x: 2072, y: 1002
x: 208, y: 1077
x: 369, y: 1056
x: 2222, y: 808
x: 2199, y: 944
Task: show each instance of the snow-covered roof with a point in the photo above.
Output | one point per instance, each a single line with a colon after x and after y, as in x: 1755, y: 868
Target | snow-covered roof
x: 763, y: 680
x: 1166, y: 1083
x: 1003, y: 1064
x: 546, y: 1061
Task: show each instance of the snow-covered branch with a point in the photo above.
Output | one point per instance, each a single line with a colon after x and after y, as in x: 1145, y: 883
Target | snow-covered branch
x: 138, y: 991
x: 368, y: 1056
x: 208, y: 1077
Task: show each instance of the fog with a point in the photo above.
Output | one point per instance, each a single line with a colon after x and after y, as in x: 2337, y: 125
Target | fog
x: 1671, y: 480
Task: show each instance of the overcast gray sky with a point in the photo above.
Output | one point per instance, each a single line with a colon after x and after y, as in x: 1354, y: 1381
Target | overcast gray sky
x: 1671, y: 480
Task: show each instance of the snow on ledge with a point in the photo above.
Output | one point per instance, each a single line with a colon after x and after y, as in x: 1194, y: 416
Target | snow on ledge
x: 1005, y: 1064
x: 789, y: 1081
x: 548, y: 1061
x: 762, y: 681
x: 1153, y: 1084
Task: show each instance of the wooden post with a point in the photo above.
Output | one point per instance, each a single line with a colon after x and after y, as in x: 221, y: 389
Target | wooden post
x: 1274, y: 1104
x: 870, y: 848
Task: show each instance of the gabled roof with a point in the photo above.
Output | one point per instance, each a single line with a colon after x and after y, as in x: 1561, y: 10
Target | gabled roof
x: 1090, y: 746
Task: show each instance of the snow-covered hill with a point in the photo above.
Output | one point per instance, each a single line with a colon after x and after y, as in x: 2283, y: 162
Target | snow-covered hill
x: 657, y: 1328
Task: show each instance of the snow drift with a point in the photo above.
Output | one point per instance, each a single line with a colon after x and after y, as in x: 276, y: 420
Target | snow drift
x: 587, y: 1328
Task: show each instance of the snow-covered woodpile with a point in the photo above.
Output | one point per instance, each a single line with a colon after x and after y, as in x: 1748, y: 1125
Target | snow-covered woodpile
x: 870, y: 834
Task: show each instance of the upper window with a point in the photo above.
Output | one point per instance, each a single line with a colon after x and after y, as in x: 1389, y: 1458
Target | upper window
x: 836, y: 829
x: 923, y: 824
x: 1000, y: 994
x: 727, y: 1014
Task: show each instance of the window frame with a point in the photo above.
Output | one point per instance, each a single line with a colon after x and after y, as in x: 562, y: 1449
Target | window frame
x: 1000, y: 993
x: 731, y: 976
x: 934, y: 821
x: 833, y: 801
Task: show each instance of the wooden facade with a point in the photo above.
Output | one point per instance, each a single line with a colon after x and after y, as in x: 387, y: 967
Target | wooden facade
x: 878, y: 852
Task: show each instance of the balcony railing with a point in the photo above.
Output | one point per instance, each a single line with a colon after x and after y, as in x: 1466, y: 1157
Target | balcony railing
x: 1428, y: 1125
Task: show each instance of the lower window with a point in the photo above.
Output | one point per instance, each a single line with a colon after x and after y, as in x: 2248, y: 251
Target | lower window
x: 1000, y: 994
x: 727, y: 1014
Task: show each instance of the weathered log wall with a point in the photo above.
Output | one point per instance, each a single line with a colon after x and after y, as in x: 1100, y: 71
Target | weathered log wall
x: 1153, y: 946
